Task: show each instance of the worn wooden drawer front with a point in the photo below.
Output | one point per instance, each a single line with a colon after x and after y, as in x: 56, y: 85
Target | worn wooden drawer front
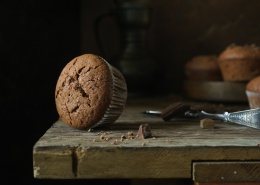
x: 235, y: 171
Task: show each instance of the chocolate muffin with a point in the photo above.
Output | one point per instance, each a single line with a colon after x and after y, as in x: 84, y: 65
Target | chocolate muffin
x: 253, y: 92
x: 203, y: 68
x: 240, y: 63
x: 90, y: 93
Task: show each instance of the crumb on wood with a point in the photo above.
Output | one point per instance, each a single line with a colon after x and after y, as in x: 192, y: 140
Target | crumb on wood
x: 123, y: 137
x: 206, y: 123
x: 102, y: 137
x: 114, y: 142
x: 107, y: 138
x: 130, y: 133
x: 131, y: 137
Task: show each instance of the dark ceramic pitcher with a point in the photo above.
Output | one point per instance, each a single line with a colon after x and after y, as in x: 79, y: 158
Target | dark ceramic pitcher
x: 134, y: 59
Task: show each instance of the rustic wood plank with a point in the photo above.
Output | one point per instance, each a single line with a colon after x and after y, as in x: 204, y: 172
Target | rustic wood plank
x: 53, y: 161
x: 226, y: 171
x: 227, y: 183
x: 63, y: 152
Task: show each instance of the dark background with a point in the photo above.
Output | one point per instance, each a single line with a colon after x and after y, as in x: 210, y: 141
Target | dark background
x: 38, y: 38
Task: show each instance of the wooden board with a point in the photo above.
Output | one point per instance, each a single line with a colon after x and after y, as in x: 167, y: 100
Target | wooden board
x: 66, y: 153
x: 226, y: 171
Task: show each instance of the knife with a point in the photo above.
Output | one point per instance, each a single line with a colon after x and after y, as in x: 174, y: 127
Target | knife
x: 249, y: 118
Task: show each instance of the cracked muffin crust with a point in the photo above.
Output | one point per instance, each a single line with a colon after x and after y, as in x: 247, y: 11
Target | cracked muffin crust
x: 90, y: 92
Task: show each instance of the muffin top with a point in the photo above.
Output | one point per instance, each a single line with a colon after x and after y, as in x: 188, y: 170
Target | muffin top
x: 240, y: 52
x: 203, y: 62
x: 83, y: 91
x: 254, y: 84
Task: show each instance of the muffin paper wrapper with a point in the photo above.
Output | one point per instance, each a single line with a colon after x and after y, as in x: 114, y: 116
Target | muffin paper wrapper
x: 253, y: 99
x: 118, y: 98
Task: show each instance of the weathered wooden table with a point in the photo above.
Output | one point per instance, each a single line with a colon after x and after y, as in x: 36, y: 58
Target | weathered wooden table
x: 179, y: 148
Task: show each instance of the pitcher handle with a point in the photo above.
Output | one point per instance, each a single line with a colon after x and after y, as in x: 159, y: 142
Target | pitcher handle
x: 96, y: 31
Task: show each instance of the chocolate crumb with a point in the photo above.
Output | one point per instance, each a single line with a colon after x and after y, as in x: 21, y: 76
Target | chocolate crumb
x: 130, y: 133
x: 107, y: 138
x: 114, y: 142
x: 123, y: 137
x: 102, y: 137
x: 131, y: 137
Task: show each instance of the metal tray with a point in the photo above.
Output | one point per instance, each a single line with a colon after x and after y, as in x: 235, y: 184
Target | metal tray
x: 215, y: 91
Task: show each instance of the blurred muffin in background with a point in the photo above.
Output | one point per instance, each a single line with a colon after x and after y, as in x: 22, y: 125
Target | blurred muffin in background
x: 203, y: 68
x: 239, y: 63
x: 253, y: 92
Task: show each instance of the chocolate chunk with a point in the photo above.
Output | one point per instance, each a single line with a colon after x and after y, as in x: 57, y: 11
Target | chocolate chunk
x: 144, y: 131
x: 175, y: 109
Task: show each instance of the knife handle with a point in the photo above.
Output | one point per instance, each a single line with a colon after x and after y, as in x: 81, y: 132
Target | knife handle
x: 223, y: 117
x: 203, y: 114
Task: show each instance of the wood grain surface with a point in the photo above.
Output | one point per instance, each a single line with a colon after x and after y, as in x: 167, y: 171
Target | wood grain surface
x: 65, y: 153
